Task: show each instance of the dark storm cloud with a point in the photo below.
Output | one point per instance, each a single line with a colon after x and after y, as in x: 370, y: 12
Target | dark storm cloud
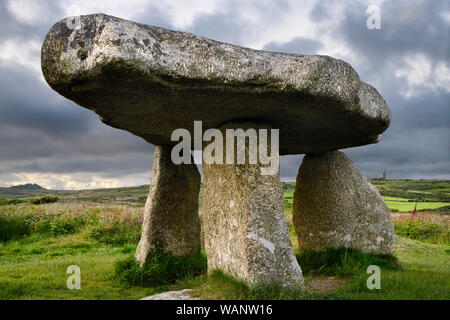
x: 406, y: 27
x: 45, y: 133
x: 28, y: 103
x: 416, y: 144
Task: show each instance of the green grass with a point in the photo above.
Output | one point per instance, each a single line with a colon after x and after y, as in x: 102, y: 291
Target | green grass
x: 393, y: 192
x: 116, y: 225
x: 12, y: 201
x: 43, y: 240
x: 423, y: 229
x: 37, y: 269
x: 160, y: 269
x: 425, y: 275
x: 219, y: 286
x: 420, y: 191
x: 394, y: 199
x: 342, y: 262
x: 420, y: 271
x: 409, y: 206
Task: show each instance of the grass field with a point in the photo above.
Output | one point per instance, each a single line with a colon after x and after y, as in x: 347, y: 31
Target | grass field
x: 409, y: 206
x: 401, y: 195
x: 41, y: 241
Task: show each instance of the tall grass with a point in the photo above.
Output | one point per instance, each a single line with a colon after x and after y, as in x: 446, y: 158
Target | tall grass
x: 342, y: 262
x: 160, y: 269
x: 422, y: 227
x: 116, y: 225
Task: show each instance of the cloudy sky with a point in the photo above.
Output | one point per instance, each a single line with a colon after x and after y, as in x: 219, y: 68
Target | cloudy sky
x: 49, y: 140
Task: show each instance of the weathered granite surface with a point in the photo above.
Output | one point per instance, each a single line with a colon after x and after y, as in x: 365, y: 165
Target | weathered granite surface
x: 171, y: 222
x: 335, y: 206
x: 150, y: 81
x: 246, y: 233
x: 172, y: 295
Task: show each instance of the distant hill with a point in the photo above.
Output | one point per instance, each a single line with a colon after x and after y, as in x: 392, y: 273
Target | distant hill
x: 28, y: 190
x: 28, y: 186
x: 135, y: 195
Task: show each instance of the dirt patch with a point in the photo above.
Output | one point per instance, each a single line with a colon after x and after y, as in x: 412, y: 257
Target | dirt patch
x: 324, y: 284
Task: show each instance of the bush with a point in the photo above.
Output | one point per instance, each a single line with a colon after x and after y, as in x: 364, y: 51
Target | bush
x: 342, y: 261
x: 13, y: 226
x: 117, y: 225
x: 11, y: 202
x: 115, y: 228
x: 160, y: 269
x: 45, y: 199
x: 423, y: 230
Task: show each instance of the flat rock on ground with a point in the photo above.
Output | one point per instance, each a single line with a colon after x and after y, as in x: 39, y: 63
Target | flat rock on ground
x: 324, y: 284
x: 172, y: 295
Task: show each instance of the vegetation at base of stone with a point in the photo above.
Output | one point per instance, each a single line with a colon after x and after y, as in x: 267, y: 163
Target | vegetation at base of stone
x: 218, y: 285
x: 342, y: 262
x: 423, y: 228
x: 423, y: 275
x: 161, y: 269
x: 34, y: 266
x: 33, y: 262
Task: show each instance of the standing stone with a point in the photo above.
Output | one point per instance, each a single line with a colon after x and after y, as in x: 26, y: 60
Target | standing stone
x: 171, y: 223
x: 335, y: 206
x: 246, y: 233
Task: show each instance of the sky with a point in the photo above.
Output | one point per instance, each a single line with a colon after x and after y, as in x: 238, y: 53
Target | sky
x: 49, y: 140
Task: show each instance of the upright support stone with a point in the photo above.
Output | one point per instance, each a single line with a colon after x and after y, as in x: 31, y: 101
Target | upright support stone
x: 246, y: 233
x: 335, y: 206
x: 171, y: 222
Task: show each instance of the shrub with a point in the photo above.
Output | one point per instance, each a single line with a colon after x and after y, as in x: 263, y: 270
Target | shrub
x: 161, y: 269
x: 11, y: 202
x: 342, y: 261
x: 115, y: 227
x: 13, y: 226
x: 45, y: 199
x: 422, y: 229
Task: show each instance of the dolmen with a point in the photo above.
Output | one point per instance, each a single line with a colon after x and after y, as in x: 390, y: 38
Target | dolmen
x: 152, y: 81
